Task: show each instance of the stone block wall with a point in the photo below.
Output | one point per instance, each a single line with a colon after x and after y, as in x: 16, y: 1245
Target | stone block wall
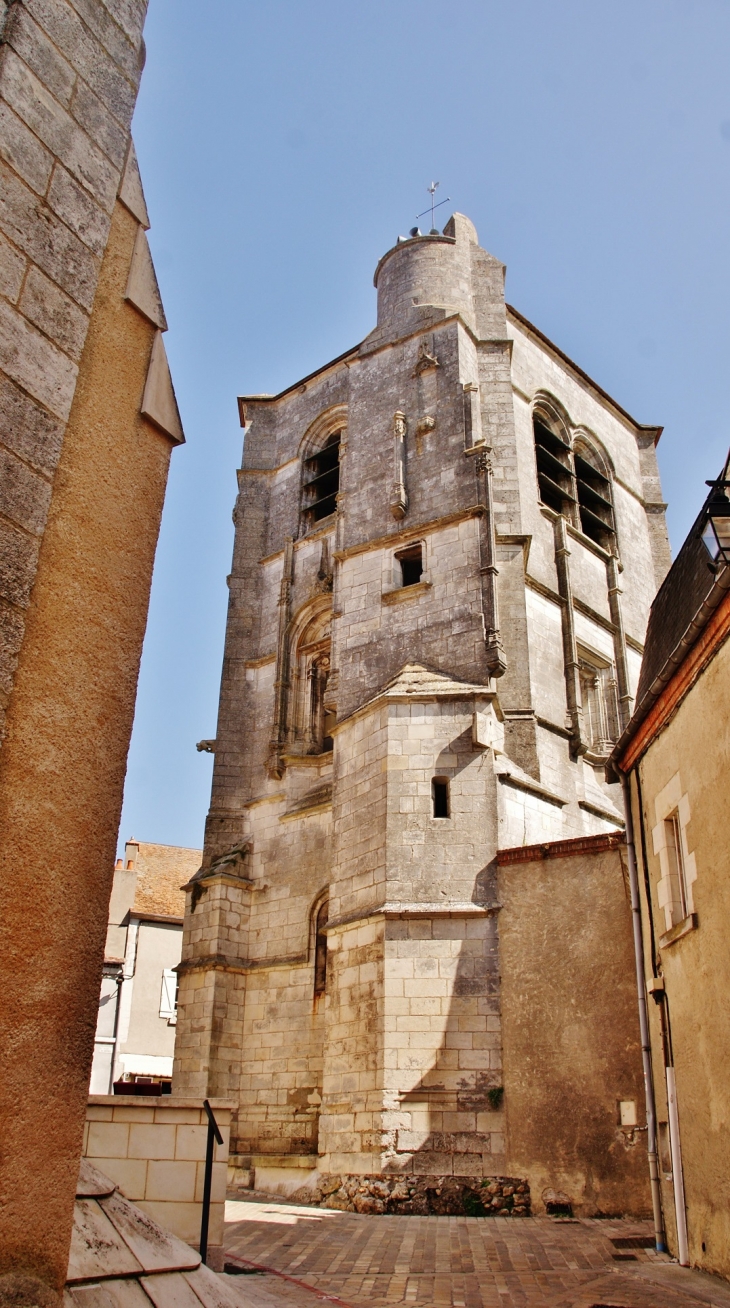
x: 350, y: 1131
x: 154, y: 1149
x: 69, y: 75
x: 254, y: 1027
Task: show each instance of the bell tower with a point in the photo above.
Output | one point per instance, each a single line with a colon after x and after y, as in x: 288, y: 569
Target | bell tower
x: 446, y: 547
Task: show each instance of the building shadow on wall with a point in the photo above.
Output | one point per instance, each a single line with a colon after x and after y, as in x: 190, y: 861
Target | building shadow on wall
x: 455, y: 1111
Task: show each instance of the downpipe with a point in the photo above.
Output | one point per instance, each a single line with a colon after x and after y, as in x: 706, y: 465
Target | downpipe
x: 656, y: 1197
x: 677, y: 1172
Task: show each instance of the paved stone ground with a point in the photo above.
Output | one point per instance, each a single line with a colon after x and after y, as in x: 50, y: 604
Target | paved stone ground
x: 314, y: 1256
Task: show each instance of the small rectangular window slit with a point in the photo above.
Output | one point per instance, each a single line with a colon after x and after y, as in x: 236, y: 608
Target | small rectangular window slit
x: 440, y: 794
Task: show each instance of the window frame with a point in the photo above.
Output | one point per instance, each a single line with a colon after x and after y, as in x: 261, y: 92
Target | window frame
x: 673, y: 814
x: 677, y: 867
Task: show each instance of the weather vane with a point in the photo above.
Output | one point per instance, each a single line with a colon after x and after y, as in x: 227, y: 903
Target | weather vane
x: 432, y: 192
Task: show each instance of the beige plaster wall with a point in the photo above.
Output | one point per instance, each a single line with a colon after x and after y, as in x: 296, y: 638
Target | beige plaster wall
x: 690, y: 759
x: 159, y: 946
x: 154, y: 1149
x: 63, y: 762
x: 570, y: 1032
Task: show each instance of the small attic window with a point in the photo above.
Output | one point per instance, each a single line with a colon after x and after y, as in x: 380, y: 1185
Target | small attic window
x: 411, y: 565
x: 321, y: 481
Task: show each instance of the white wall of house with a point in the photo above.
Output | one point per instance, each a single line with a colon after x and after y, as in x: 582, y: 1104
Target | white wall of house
x: 135, y: 1033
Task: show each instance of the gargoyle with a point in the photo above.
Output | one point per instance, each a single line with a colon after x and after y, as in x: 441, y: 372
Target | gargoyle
x: 231, y: 862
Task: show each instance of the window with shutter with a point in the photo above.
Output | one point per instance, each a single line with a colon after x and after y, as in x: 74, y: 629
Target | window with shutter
x: 168, y: 996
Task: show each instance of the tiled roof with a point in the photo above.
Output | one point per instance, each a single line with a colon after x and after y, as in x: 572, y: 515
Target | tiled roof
x: 121, y: 1258
x: 682, y: 608
x: 161, y: 871
x: 681, y: 595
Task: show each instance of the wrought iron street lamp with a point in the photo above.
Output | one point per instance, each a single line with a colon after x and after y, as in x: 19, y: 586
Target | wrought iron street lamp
x: 716, y: 531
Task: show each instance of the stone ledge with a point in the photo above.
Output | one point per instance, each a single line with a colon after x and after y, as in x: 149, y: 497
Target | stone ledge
x: 682, y: 928
x: 159, y: 1101
x: 561, y: 848
x: 308, y: 1161
x: 604, y: 813
x: 401, y: 593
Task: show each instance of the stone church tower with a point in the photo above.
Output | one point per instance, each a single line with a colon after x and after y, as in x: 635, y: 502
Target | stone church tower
x: 447, y: 543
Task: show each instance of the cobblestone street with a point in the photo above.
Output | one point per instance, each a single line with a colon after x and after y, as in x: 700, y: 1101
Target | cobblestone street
x: 311, y: 1256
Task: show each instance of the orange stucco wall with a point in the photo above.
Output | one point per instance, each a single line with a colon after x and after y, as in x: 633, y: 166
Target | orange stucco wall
x: 62, y: 767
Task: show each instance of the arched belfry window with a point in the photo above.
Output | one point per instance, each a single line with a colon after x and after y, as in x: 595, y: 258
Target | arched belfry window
x: 593, y: 486
x: 554, y: 465
x: 573, y: 478
x: 321, y: 481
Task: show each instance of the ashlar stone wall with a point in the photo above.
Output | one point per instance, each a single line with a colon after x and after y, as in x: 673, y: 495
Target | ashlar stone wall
x: 69, y: 74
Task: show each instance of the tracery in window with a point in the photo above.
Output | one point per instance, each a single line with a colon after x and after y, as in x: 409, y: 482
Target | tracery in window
x: 321, y: 481
x: 600, y: 702
x: 311, y: 723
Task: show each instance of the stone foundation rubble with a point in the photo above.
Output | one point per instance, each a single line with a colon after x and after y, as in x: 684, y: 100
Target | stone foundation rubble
x: 470, y: 1196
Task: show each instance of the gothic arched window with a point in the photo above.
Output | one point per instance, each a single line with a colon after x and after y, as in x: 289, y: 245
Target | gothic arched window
x: 312, y: 718
x: 321, y: 481
x: 554, y: 465
x: 595, y: 510
x: 320, y: 948
x: 573, y: 478
x: 599, y: 696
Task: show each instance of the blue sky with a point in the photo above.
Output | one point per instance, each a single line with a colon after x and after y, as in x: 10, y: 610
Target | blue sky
x: 283, y: 148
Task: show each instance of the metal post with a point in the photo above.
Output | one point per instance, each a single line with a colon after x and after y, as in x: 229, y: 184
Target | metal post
x: 213, y: 1136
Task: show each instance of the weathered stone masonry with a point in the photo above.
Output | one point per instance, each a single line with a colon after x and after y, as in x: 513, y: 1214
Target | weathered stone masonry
x: 69, y: 74
x: 426, y: 658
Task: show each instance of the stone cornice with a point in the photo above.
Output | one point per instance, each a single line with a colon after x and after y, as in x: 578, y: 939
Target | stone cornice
x: 581, y: 845
x: 394, y: 909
